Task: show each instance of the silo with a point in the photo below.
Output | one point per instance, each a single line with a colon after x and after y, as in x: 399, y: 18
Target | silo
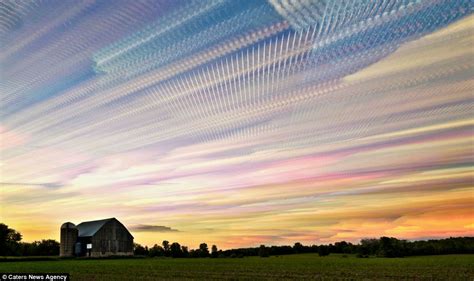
x: 69, y: 234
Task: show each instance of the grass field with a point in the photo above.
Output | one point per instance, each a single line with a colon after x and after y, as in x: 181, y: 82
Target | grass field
x: 296, y: 267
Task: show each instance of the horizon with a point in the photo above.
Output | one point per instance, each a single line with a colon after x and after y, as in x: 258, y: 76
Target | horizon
x: 238, y: 123
x: 358, y: 242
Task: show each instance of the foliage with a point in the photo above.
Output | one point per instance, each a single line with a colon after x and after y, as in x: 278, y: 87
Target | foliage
x: 11, y: 245
x: 139, y: 250
x: 156, y: 251
x: 166, y: 248
x: 48, y: 247
x: 263, y: 251
x: 185, y: 251
x: 9, y: 240
x: 176, y: 251
x: 214, y: 252
x: 323, y: 250
x: 203, y: 250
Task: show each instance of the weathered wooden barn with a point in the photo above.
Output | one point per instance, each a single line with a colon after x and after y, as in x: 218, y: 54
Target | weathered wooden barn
x: 98, y: 238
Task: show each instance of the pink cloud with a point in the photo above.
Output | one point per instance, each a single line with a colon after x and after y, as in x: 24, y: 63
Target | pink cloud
x: 10, y: 139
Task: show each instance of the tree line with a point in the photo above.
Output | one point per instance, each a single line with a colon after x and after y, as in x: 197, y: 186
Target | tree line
x: 11, y: 245
x: 381, y: 247
x: 175, y: 250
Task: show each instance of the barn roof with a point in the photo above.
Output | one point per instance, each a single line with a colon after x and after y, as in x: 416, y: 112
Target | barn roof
x: 89, y: 228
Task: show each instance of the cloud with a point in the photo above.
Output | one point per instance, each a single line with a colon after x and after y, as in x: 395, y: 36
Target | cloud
x: 46, y: 185
x: 11, y: 139
x: 251, y: 120
x: 152, y: 228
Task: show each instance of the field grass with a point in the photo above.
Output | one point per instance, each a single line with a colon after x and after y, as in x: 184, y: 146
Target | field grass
x: 292, y: 267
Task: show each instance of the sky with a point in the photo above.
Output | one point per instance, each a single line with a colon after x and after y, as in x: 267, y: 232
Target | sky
x: 238, y: 123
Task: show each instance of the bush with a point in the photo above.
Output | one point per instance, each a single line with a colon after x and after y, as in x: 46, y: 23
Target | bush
x: 323, y: 251
x: 263, y: 251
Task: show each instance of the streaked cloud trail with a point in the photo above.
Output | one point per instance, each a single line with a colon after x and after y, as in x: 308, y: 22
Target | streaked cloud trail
x: 238, y: 122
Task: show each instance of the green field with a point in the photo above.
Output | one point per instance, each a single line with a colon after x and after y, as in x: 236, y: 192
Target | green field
x: 296, y: 267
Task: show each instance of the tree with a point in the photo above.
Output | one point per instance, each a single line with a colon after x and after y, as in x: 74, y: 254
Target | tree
x: 175, y: 250
x: 139, y: 250
x: 47, y: 247
x: 194, y: 253
x: 166, y: 247
x: 9, y: 241
x: 298, y: 247
x: 343, y: 247
x: 203, y: 250
x: 368, y: 247
x: 263, y: 251
x: 214, y: 251
x: 281, y: 250
x: 185, y: 251
x: 391, y: 247
x: 156, y: 251
x: 323, y: 250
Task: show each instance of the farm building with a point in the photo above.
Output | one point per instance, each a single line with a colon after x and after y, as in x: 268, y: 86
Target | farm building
x: 98, y: 238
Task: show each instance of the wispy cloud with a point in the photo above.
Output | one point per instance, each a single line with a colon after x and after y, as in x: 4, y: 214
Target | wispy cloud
x: 265, y: 121
x: 152, y: 228
x: 47, y: 185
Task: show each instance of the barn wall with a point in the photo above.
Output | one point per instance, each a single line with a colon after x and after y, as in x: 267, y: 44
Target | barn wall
x: 112, y: 239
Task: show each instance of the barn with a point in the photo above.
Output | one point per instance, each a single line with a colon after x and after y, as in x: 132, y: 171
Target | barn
x: 99, y: 238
